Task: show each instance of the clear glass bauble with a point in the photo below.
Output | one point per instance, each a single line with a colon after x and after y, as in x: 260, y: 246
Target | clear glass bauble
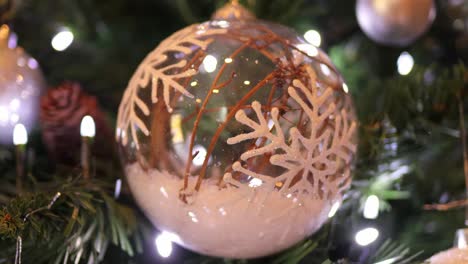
x: 21, y: 84
x: 237, y: 137
x: 451, y: 256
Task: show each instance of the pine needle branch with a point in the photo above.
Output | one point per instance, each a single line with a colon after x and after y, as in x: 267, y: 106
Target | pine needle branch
x: 79, y: 225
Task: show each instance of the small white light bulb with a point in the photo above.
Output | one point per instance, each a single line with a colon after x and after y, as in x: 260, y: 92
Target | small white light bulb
x: 371, y: 207
x: 62, y: 40
x: 313, y: 37
x: 405, y: 63
x: 210, y: 63
x: 20, y: 135
x: 163, y: 244
x: 366, y: 236
x: 87, y: 128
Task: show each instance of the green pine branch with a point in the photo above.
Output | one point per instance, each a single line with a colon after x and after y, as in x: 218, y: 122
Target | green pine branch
x: 79, y: 226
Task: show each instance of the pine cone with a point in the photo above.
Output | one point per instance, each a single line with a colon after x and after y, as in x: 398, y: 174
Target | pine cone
x: 62, y: 109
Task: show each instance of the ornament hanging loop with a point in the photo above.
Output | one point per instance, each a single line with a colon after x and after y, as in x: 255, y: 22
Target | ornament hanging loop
x: 233, y: 11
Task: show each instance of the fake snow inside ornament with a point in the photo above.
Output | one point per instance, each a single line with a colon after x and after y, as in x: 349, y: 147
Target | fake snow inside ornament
x: 21, y: 84
x: 237, y: 136
x: 395, y: 22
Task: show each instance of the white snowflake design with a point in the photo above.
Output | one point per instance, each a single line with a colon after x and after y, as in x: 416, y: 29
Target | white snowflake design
x: 312, y: 161
x: 150, y: 73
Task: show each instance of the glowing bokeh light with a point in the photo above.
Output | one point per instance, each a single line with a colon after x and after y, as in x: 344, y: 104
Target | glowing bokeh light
x: 20, y: 135
x: 163, y: 244
x: 366, y: 236
x: 313, y: 37
x: 210, y: 63
x: 62, y: 40
x: 87, y: 128
x: 405, y: 63
x: 371, y: 207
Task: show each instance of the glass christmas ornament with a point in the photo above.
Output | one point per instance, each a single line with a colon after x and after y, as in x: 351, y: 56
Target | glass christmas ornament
x: 21, y: 84
x: 237, y: 136
x: 395, y: 22
x: 451, y: 256
x: 456, y: 255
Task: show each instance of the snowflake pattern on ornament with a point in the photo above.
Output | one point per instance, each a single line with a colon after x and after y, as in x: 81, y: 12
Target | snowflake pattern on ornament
x: 153, y: 73
x: 313, y: 164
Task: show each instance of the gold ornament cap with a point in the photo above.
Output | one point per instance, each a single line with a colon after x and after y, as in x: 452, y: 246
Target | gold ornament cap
x: 4, y: 35
x: 233, y: 11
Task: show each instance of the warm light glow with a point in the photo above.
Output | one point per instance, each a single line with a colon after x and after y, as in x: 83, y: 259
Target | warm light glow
x: 210, y: 63
x: 19, y: 79
x: 366, y: 236
x: 62, y: 40
x: 20, y: 135
x: 405, y: 63
x: 228, y: 60
x: 371, y: 207
x: 87, y: 128
x: 163, y: 244
x: 176, y: 129
x: 247, y: 82
x: 200, y: 153
x: 310, y: 50
x: 313, y: 37
x: 334, y: 209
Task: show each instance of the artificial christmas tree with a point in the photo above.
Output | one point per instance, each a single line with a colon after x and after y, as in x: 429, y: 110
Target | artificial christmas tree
x: 407, y: 102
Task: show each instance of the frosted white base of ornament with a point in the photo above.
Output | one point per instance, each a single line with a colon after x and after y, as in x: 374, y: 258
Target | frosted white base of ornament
x: 451, y: 256
x: 226, y: 222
